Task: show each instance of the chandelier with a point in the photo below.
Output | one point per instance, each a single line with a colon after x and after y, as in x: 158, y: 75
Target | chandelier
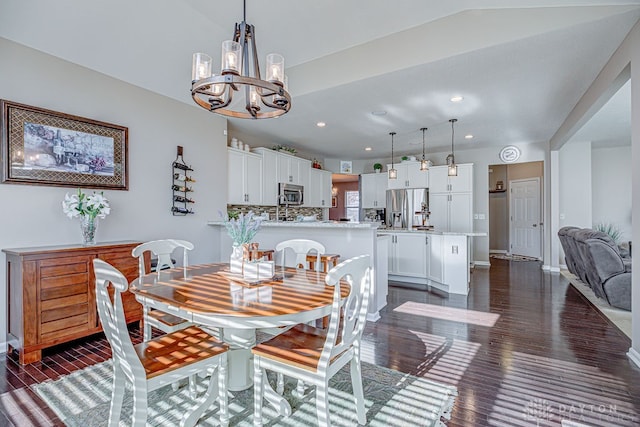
x: 240, y: 72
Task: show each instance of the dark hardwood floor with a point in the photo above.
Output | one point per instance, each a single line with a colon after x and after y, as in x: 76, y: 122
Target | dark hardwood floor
x: 523, y: 349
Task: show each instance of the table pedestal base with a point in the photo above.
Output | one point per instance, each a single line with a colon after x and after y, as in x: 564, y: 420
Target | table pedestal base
x: 240, y: 360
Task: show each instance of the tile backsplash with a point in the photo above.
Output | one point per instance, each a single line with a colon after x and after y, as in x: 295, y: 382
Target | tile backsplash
x: 292, y: 212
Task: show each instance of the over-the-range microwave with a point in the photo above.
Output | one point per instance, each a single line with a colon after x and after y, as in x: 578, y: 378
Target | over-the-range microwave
x: 290, y: 194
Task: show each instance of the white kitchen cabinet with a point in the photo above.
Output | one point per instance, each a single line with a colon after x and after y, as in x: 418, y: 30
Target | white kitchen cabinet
x: 318, y: 192
x: 293, y: 170
x: 436, y: 258
x: 441, y: 182
x: 409, y: 176
x: 244, y: 178
x: 451, y: 199
x: 408, y: 254
x: 373, y: 190
x: 269, y: 176
x: 451, y: 212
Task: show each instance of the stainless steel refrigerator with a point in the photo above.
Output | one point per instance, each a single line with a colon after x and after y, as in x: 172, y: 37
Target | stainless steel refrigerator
x: 407, y: 208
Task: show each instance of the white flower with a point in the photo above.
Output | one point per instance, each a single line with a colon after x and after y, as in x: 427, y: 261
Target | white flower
x: 95, y: 205
x: 70, y: 205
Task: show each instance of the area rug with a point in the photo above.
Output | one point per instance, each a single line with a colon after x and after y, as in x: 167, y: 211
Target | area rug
x: 620, y: 318
x: 513, y: 257
x: 81, y: 399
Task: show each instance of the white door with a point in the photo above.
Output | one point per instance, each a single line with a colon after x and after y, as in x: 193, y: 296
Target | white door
x: 411, y: 253
x: 253, y: 179
x: 460, y: 213
x: 439, y: 208
x: 526, y: 227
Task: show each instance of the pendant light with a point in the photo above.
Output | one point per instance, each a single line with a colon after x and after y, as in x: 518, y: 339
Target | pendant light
x: 451, y: 160
x: 424, y: 166
x: 393, y: 173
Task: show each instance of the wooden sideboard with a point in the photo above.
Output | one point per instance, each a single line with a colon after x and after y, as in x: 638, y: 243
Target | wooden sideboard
x: 51, y: 293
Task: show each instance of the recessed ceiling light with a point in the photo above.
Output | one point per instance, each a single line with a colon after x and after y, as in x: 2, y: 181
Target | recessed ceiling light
x: 457, y: 98
x: 468, y: 136
x: 368, y: 149
x: 379, y: 113
x: 321, y: 124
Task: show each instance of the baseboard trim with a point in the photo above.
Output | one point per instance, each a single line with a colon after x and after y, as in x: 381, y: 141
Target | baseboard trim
x: 482, y: 263
x: 551, y: 269
x: 3, y: 347
x: 498, y: 251
x: 634, y: 356
x: 373, y: 317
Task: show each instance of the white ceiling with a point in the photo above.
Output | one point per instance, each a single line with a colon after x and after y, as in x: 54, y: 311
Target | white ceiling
x: 521, y: 66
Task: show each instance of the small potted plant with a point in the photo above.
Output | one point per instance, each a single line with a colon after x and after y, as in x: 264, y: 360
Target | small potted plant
x: 377, y: 167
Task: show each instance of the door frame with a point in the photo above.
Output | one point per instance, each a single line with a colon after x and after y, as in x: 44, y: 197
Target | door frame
x: 540, y: 214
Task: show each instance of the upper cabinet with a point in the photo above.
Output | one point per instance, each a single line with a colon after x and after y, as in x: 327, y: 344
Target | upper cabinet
x: 373, y: 189
x: 441, y: 182
x: 269, y: 176
x: 318, y: 193
x: 245, y: 178
x: 409, y: 176
x: 293, y: 170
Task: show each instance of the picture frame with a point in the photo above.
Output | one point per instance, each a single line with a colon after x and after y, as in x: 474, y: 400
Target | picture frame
x: 334, y: 201
x: 346, y: 166
x: 45, y: 147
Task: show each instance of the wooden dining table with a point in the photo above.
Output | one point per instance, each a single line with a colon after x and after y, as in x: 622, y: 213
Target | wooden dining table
x: 210, y: 295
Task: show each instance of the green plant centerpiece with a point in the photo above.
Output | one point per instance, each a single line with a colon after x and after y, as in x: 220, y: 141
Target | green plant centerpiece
x: 242, y: 229
x: 377, y: 167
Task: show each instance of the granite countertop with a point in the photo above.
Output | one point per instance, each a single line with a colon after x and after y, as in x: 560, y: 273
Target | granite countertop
x: 313, y: 224
x: 444, y: 233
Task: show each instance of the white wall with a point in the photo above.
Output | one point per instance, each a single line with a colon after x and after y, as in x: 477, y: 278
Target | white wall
x: 611, y: 183
x: 32, y: 215
x: 575, y: 185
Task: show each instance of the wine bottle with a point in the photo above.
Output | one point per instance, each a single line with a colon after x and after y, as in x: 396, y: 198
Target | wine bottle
x: 182, y: 188
x: 182, y: 166
x: 182, y: 199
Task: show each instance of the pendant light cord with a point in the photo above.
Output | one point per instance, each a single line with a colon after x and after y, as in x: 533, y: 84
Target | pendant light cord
x: 452, y: 133
x: 392, y: 133
x: 423, y: 131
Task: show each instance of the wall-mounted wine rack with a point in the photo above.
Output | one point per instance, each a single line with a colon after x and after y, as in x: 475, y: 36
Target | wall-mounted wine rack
x: 182, y: 186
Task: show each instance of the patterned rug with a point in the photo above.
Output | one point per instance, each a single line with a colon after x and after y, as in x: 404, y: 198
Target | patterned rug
x: 81, y: 399
x: 513, y: 257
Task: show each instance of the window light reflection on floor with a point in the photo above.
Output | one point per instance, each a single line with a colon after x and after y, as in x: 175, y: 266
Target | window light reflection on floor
x: 479, y: 318
x: 534, y: 390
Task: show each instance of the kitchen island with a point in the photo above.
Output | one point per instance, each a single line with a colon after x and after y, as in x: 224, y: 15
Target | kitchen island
x: 347, y: 239
x: 426, y: 258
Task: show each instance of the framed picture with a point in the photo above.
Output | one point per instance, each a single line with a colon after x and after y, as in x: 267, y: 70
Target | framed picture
x: 345, y: 166
x: 43, y: 147
x: 334, y: 201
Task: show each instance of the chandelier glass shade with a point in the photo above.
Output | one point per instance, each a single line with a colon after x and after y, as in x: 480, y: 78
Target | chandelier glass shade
x: 424, y: 165
x: 451, y: 160
x: 393, y: 173
x: 240, y: 76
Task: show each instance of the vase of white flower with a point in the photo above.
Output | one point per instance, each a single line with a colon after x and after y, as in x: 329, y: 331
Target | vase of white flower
x: 88, y: 225
x: 88, y: 209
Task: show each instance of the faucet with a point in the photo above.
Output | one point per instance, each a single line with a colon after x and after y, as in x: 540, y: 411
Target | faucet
x: 282, y: 198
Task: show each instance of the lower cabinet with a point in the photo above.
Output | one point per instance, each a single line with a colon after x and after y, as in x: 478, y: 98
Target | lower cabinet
x: 408, y: 254
x: 51, y: 294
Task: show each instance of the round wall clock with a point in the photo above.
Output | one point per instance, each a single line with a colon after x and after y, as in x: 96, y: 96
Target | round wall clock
x: 509, y: 154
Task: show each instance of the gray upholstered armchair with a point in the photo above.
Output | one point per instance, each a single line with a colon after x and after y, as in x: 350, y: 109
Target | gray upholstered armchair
x: 613, y: 274
x: 595, y: 259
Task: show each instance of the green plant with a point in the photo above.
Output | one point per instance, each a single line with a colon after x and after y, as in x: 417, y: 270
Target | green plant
x: 609, y: 229
x: 377, y: 166
x: 405, y: 158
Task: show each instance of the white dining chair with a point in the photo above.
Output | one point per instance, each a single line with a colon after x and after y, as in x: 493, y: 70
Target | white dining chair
x: 314, y: 355
x: 300, y: 248
x: 163, y: 250
x: 158, y: 362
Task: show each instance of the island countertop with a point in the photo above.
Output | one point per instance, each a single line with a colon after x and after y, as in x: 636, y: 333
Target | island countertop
x: 313, y: 224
